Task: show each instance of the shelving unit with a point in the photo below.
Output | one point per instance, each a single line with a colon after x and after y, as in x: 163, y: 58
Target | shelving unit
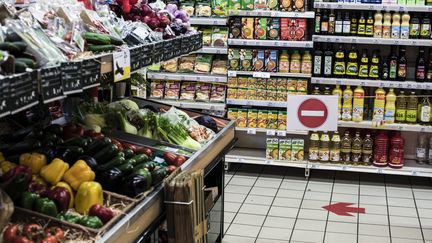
x: 193, y: 105
x: 266, y: 103
x: 271, y: 13
x: 377, y: 7
x: 210, y: 78
x: 269, y: 132
x: 270, y: 43
x: 372, y: 83
x: 213, y: 50
x: 394, y: 126
x: 370, y: 40
x: 267, y: 74
x: 208, y: 21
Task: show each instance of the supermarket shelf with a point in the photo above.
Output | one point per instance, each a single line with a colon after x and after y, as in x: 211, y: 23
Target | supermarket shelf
x: 394, y: 126
x: 373, y: 83
x: 271, y: 13
x: 213, y: 50
x: 270, y: 43
x: 188, y: 77
x: 267, y: 74
x: 269, y: 132
x: 371, y: 40
x: 257, y: 103
x: 193, y: 105
x: 257, y: 156
x: 207, y: 21
x: 379, y: 7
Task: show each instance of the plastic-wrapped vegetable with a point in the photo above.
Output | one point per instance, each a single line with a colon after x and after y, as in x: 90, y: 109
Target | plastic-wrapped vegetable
x: 6, y: 209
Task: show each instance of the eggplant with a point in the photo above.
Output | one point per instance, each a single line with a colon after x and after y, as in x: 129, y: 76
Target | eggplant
x: 208, y: 122
x: 137, y: 183
x: 90, y: 161
x: 48, y: 152
x: 23, y: 147
x: 110, y: 179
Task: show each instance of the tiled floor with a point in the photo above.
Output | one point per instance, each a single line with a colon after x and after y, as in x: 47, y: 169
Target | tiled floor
x: 265, y: 204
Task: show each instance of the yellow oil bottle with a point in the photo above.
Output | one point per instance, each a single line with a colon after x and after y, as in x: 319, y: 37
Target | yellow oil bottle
x: 390, y: 107
x: 379, y: 106
x: 358, y: 104
x: 338, y: 91
x: 347, y: 104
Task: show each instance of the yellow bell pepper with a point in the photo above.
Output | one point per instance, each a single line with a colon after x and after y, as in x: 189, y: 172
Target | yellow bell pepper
x: 89, y: 194
x: 54, y: 171
x: 39, y: 179
x: 78, y: 173
x: 6, y: 166
x: 2, y: 158
x: 33, y: 160
x: 67, y: 186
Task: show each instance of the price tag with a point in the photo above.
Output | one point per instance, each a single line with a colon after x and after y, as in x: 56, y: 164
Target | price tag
x: 271, y: 132
x: 281, y: 133
x: 271, y: 104
x: 182, y: 78
x: 251, y: 131
x: 428, y: 86
x: 198, y: 78
x: 344, y: 168
x: 362, y: 84
x: 260, y: 75
x: 232, y: 73
x: 422, y: 129
x: 338, y: 82
x: 414, y: 43
x: 307, y: 45
x: 215, y: 22
x: 396, y: 42
x: 415, y: 173
x: 268, y: 162
x: 314, y: 166
x: 380, y: 171
x: 276, y: 43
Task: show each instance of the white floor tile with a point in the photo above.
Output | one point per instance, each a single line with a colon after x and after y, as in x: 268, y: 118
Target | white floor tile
x: 249, y: 219
x: 247, y: 174
x: 348, y: 198
x: 261, y: 191
x: 226, y: 226
x: 279, y: 222
x: 237, y: 239
x: 323, y: 196
x: 423, y: 203
x: 425, y: 213
x: 268, y: 183
x: 373, y: 229
x: 237, y: 189
x: 259, y: 240
x: 232, y: 207
x: 310, y: 224
x: 254, y: 209
x: 346, y: 219
x: 401, y: 211
x: 287, y: 202
x: 307, y: 236
x: 372, y: 190
x: 400, y: 202
x: 427, y: 234
x: 422, y: 194
x: 373, y: 200
x: 374, y: 209
x: 399, y: 193
x: 404, y: 221
x: 372, y: 239
x: 261, y: 200
x: 316, y: 187
x: 373, y: 219
x: 313, y: 214
x: 400, y: 240
x: 314, y: 204
x: 339, y: 238
x: 243, y: 230
x: 228, y: 216
x: 275, y: 233
x: 341, y: 227
x: 426, y: 223
x: 406, y: 233
x: 293, y: 185
x: 240, y: 181
x: 283, y: 212
x: 234, y: 197
x: 290, y: 193
x: 346, y: 189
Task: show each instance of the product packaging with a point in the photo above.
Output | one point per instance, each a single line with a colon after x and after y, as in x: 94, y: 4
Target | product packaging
x: 285, y: 149
x: 272, y: 148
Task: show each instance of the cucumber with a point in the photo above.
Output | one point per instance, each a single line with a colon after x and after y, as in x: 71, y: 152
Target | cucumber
x: 29, y: 62
x: 20, y: 67
x: 116, y: 41
x: 21, y: 45
x: 97, y: 39
x: 128, y: 153
x: 10, y: 47
x: 100, y: 48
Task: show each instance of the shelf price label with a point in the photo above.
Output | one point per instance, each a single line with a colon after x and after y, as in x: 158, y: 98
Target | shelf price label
x: 261, y: 75
x: 271, y: 132
x: 232, y: 73
x: 251, y: 131
x: 281, y: 133
x: 269, y: 162
x: 380, y: 171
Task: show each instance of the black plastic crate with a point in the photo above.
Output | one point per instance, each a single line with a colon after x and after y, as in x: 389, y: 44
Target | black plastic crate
x: 4, y: 96
x: 158, y: 51
x: 177, y: 45
x: 135, y: 57
x: 91, y: 72
x: 71, y: 77
x: 186, y: 44
x: 51, y: 84
x: 23, y: 91
x: 169, y: 51
x: 146, y: 55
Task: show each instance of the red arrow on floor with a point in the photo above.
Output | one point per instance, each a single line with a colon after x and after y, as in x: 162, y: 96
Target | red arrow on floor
x: 342, y: 209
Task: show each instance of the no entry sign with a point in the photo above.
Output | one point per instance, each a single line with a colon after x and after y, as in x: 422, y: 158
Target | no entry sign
x: 312, y: 112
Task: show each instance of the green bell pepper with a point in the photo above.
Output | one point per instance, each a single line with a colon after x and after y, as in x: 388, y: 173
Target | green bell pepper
x: 28, y: 200
x: 91, y: 221
x: 46, y: 206
x: 71, y: 218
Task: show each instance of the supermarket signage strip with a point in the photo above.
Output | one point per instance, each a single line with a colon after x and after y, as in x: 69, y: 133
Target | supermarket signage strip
x: 188, y: 77
x: 272, y: 13
x: 378, y: 7
x: 270, y: 43
x: 193, y: 105
x: 213, y: 50
x: 270, y: 132
x: 232, y: 73
x: 406, y: 170
x: 371, y: 40
x: 373, y: 83
x: 394, y: 126
x: 280, y: 104
x: 208, y: 21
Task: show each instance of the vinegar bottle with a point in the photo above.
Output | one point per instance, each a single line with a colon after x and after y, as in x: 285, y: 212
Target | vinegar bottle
x: 358, y: 104
x: 404, y: 29
x: 386, y: 28
x: 390, y: 107
x: 396, y: 26
x: 378, y: 25
x: 347, y: 104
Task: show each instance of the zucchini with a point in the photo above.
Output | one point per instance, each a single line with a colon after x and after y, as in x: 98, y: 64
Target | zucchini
x: 23, y: 147
x: 128, y: 153
x: 106, y: 154
x: 116, y: 161
x: 21, y: 45
x: 147, y: 165
x: 116, y: 41
x: 126, y: 168
x: 140, y: 158
x: 29, y: 62
x: 77, y: 141
x: 97, y: 145
x: 76, y: 150
x: 97, y: 39
x: 49, y: 136
x: 10, y: 47
x: 100, y: 48
x: 20, y: 67
x: 158, y: 175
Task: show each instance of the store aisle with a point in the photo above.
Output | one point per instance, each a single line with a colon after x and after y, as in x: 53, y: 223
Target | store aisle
x: 273, y: 205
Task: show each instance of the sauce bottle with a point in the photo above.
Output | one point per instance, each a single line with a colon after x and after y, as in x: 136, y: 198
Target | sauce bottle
x: 378, y: 25
x: 411, y: 114
x: 327, y: 90
x: 424, y: 111
x: 352, y: 64
x: 381, y: 146
x: 421, y: 148
x: 364, y: 65
x: 396, y: 155
x: 386, y: 27
x: 331, y: 23
x: 358, y: 104
x: 324, y: 23
x: 314, y: 146
x: 346, y: 148
x: 347, y: 104
x: 361, y: 27
x: 317, y: 22
x: 385, y: 72
x: 414, y: 31
x: 390, y: 107
x: 354, y: 22
x: 374, y: 70
x: 425, y: 28
x: 429, y: 72
x: 318, y: 62
x: 404, y: 29
x: 316, y: 90
x: 335, y: 144
x: 284, y: 63
x: 306, y: 63
x: 402, y: 65
x: 324, y: 151
x: 356, y: 148
x: 420, y: 71
x: 367, y: 150
x: 295, y: 64
x: 337, y: 91
x: 401, y: 107
x: 396, y: 26
x: 328, y: 62
x: 393, y: 65
x: 339, y: 24
x: 339, y: 65
x: 346, y: 30
x: 369, y: 31
x: 379, y: 106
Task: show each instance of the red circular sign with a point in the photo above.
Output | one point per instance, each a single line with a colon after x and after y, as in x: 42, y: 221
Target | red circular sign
x: 312, y: 113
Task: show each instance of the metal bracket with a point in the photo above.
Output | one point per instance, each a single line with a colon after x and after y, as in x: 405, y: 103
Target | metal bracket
x: 307, y: 172
x: 226, y: 166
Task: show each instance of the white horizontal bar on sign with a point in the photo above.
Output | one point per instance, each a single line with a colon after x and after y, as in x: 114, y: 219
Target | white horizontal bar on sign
x: 270, y: 43
x: 257, y: 74
x: 373, y: 83
x: 213, y: 50
x: 187, y: 77
x: 273, y: 132
x: 371, y: 40
x: 394, y: 126
x: 271, y: 13
x: 193, y: 105
x: 257, y: 103
x: 379, y: 7
x: 208, y: 21
x: 312, y: 113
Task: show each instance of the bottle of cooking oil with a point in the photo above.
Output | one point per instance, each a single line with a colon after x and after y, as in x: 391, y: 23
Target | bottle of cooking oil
x: 424, y: 111
x: 324, y: 152
x: 390, y: 107
x: 367, y: 150
x: 339, y: 64
x: 411, y: 114
x: 347, y: 104
x: 327, y: 90
x: 335, y: 145
x: 401, y: 107
x: 338, y: 91
x: 316, y: 90
x: 353, y: 63
x: 314, y: 146
x: 364, y: 65
x: 356, y: 149
x: 346, y: 148
x: 379, y: 105
x: 358, y: 104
